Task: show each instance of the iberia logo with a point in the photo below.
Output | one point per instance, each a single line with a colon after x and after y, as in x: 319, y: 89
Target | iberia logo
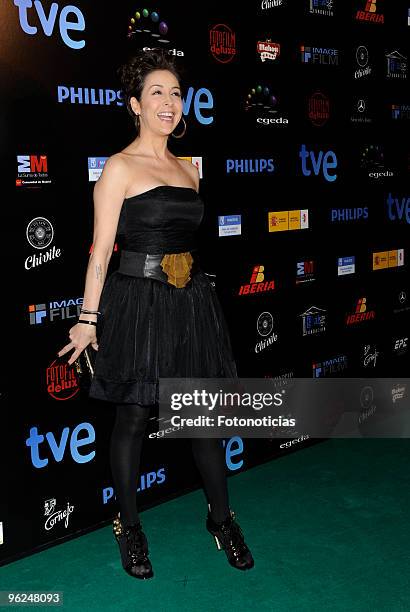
x: 371, y: 12
x: 257, y: 282
x: 361, y: 313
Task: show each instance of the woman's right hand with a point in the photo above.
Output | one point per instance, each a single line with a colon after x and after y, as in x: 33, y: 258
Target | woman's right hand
x: 80, y: 337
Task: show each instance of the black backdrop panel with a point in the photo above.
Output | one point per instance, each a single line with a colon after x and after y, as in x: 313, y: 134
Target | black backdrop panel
x: 295, y: 110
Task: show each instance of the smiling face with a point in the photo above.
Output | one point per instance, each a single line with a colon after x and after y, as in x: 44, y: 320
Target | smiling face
x: 160, y: 106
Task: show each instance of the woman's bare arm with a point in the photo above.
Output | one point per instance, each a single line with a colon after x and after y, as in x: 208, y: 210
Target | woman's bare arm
x: 109, y: 193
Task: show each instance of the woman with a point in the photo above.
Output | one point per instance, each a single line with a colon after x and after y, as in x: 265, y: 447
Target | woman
x: 160, y: 314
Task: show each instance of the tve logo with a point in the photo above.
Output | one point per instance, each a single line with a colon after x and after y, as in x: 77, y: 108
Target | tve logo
x: 203, y: 100
x: 58, y: 448
x: 323, y: 161
x: 233, y: 447
x: 397, y: 210
x: 48, y: 21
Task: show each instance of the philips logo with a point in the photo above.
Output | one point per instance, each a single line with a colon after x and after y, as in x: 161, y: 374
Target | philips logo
x: 249, y: 166
x: 84, y: 95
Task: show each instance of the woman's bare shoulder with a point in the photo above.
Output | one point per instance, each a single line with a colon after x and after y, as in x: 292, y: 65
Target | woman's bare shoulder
x: 116, y: 168
x: 114, y: 177
x: 117, y: 162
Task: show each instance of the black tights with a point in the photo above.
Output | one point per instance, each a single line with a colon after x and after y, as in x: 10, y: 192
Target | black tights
x: 125, y: 453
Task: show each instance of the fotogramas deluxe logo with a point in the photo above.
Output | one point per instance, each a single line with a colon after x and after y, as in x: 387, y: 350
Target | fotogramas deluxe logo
x: 61, y: 380
x: 318, y: 109
x: 222, y: 43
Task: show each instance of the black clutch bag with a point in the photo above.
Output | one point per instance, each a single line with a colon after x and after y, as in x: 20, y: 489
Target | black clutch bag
x: 84, y: 365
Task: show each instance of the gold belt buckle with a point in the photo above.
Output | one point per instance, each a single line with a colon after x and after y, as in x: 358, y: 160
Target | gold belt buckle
x: 177, y: 267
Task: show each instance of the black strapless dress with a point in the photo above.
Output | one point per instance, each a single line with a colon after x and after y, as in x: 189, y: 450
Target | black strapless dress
x: 151, y: 329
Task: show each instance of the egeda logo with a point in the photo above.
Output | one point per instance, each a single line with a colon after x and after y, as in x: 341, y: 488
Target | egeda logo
x: 70, y: 18
x: 320, y: 163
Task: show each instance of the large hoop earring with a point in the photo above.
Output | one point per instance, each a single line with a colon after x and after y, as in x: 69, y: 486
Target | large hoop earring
x: 180, y: 135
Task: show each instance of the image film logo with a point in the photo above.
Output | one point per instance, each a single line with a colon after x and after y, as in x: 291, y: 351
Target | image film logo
x: 400, y: 111
x: 54, y: 311
x: 329, y: 366
x: 319, y: 55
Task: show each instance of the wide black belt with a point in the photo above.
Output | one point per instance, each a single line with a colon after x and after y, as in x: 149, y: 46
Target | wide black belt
x: 174, y: 269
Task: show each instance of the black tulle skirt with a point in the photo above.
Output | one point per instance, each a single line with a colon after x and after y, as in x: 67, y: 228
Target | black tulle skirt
x: 149, y: 329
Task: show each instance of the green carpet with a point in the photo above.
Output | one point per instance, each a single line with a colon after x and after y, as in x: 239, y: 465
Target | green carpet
x: 328, y: 527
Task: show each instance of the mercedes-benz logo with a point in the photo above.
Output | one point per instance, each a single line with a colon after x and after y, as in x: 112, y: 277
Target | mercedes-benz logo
x: 402, y: 297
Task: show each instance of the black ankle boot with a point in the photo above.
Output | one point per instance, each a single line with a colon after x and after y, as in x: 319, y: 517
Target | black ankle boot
x: 229, y: 537
x: 133, y: 548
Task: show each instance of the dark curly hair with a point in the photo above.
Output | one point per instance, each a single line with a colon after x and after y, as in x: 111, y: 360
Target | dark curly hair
x: 133, y: 73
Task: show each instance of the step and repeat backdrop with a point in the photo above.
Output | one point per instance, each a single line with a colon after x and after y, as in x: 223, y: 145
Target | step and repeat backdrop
x: 297, y: 117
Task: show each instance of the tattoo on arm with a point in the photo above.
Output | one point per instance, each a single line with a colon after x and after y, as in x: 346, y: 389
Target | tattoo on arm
x: 98, y: 272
